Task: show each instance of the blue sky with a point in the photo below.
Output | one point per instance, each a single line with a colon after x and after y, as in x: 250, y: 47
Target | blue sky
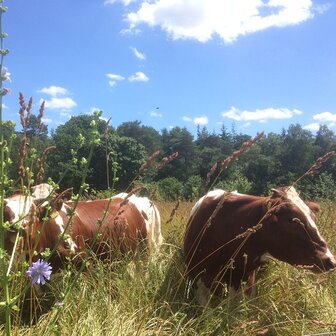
x: 255, y: 64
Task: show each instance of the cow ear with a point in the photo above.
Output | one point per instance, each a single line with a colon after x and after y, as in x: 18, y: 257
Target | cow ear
x: 50, y: 210
x: 314, y: 206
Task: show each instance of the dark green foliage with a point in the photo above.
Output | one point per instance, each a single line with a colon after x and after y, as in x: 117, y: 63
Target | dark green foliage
x: 193, y: 188
x: 178, y: 140
x: 145, y: 135
x: 129, y: 155
x: 170, y: 188
x: 276, y: 160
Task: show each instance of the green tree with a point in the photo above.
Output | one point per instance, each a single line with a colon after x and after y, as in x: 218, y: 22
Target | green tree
x: 129, y: 155
x: 72, y: 141
x: 297, y: 152
x: 72, y: 144
x: 147, y: 136
x: 178, y: 140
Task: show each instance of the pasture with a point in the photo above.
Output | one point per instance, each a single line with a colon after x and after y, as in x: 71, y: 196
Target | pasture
x: 154, y: 299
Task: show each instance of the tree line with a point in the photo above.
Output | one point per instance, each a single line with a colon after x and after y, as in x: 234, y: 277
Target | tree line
x: 275, y: 160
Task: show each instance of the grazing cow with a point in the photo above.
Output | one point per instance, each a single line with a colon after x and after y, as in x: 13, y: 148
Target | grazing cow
x: 229, y: 235
x: 107, y: 227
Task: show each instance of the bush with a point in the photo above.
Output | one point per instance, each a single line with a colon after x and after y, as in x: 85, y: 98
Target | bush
x: 237, y: 182
x: 170, y: 188
x: 323, y: 187
x: 193, y: 188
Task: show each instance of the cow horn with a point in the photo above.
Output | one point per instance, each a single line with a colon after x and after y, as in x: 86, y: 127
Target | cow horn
x: 276, y: 193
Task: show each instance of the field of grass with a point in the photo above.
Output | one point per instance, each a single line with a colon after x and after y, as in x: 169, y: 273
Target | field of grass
x: 154, y: 299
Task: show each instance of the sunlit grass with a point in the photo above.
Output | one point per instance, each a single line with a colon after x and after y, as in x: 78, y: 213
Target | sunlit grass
x: 153, y: 298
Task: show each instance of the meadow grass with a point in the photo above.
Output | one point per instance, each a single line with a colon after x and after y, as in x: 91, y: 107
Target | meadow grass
x: 153, y: 298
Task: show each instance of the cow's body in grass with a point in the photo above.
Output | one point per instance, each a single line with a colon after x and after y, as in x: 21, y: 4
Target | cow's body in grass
x: 229, y: 235
x: 108, y: 227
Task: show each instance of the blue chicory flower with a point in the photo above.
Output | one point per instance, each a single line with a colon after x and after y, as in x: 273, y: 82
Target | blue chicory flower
x: 39, y: 271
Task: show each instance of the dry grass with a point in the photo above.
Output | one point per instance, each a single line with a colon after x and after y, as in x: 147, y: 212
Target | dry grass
x: 122, y: 299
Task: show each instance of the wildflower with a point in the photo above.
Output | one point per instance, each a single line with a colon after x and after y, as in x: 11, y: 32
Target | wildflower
x: 39, y: 271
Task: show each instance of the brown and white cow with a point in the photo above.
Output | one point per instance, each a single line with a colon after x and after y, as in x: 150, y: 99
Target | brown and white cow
x: 107, y: 227
x: 229, y: 235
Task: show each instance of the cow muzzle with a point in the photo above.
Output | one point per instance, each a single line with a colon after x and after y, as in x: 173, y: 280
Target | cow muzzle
x: 328, y: 262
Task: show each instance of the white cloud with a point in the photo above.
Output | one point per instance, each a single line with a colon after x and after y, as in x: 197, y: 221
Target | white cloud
x: 261, y: 115
x: 138, y: 54
x: 156, y: 114
x: 114, y: 78
x: 111, y: 2
x: 184, y: 118
x: 65, y: 113
x: 325, y: 117
x: 228, y: 19
x: 47, y: 120
x: 197, y: 120
x: 312, y: 127
x: 138, y: 77
x: 60, y: 103
x: 201, y: 120
x: 54, y: 91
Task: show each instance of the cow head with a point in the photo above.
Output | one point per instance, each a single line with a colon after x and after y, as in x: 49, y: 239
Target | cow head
x: 26, y: 215
x: 293, y: 236
x: 15, y: 210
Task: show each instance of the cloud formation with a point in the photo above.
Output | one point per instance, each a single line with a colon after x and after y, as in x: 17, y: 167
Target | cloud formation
x: 60, y: 103
x: 138, y: 54
x: 260, y: 115
x: 156, y: 114
x: 54, y: 91
x: 138, y: 77
x: 197, y: 120
x: 324, y: 118
x: 201, y: 120
x: 114, y: 78
x: 111, y: 2
x: 228, y: 19
x: 58, y: 98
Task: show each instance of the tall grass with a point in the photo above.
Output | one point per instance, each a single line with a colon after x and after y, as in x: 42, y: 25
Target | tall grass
x: 127, y: 298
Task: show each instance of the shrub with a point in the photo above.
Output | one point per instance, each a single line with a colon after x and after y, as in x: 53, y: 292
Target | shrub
x: 193, y: 188
x: 170, y: 188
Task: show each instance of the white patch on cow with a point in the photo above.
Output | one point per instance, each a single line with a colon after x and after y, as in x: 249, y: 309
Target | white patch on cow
x: 20, y: 205
x: 330, y: 256
x: 202, y: 293
x: 59, y: 221
x: 211, y: 194
x: 214, y: 194
x: 41, y: 191
x: 293, y: 196
x: 153, y: 220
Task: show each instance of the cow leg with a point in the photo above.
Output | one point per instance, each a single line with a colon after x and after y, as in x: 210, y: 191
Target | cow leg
x: 202, y: 293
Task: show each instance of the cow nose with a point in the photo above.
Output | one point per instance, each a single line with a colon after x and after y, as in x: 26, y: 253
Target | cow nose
x: 330, y: 264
